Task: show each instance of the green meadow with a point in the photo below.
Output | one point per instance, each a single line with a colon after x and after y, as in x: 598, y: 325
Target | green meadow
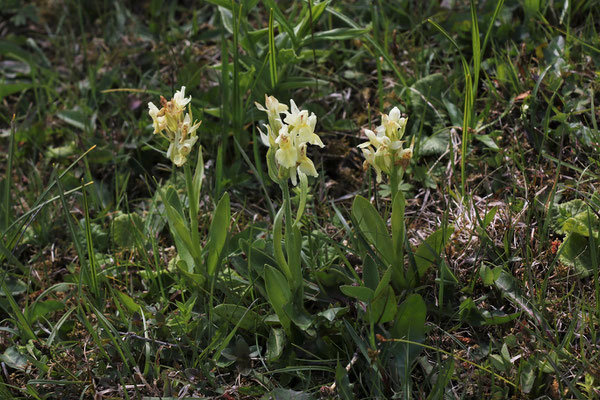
x: 311, y: 199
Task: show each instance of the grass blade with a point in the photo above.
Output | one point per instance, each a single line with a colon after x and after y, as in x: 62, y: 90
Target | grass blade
x: 272, y: 51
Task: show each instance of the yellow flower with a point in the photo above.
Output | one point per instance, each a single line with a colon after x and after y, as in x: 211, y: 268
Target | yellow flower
x: 392, y: 125
x: 384, y: 150
x: 287, y: 154
x: 180, y: 101
x: 187, y: 128
x: 180, y: 130
x: 370, y: 160
x: 406, y: 154
x: 306, y: 132
x: 305, y: 164
x: 158, y: 122
x: 268, y: 139
x: 273, y: 108
x: 296, y: 118
x: 289, y: 137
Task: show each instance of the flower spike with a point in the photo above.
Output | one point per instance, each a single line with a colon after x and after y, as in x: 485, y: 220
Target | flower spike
x: 171, y: 123
x: 288, y: 138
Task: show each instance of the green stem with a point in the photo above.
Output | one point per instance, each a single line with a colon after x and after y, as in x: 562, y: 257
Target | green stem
x: 287, y: 204
x: 372, y: 329
x: 193, y: 204
x: 394, y: 182
x: 292, y: 244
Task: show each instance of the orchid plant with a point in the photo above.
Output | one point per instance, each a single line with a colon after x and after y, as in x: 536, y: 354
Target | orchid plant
x: 179, y: 128
x: 287, y: 158
x: 386, y: 153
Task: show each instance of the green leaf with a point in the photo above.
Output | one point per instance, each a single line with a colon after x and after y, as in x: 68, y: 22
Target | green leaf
x: 42, y: 309
x: 358, y: 341
x: 22, y: 322
x: 226, y: 18
x: 128, y: 302
x: 361, y: 293
x: 343, y: 383
x: 582, y: 224
x: 64, y: 151
x: 489, y: 275
x: 194, y: 280
x: 275, y: 344
x: 272, y: 51
x: 474, y: 315
x: 409, y: 325
x: 575, y: 252
x: 179, y: 228
x: 444, y: 376
x: 428, y: 253
x: 125, y: 228
x: 218, y: 233
x: 373, y: 228
x: 470, y: 313
x: 435, y: 144
x: 564, y: 211
x: 277, y: 248
x: 511, y: 289
x: 279, y: 293
x: 13, y: 287
x: 497, y: 317
x: 527, y: 375
x: 333, y: 313
x: 14, y: 359
x: 385, y: 280
x: 499, y: 363
x: 335, y: 34
x: 455, y: 114
x: 221, y: 3
x: 75, y: 118
x: 6, y: 89
x: 424, y: 95
x: 489, y: 217
x: 299, y: 317
x: 302, y: 29
x: 488, y: 141
x: 197, y: 179
x: 383, y: 307
x: 247, y: 319
x: 370, y: 273
x: 257, y: 258
x: 297, y: 82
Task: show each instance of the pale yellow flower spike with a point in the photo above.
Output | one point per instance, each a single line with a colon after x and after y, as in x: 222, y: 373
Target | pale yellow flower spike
x: 170, y: 122
x: 289, y: 137
x: 385, y: 149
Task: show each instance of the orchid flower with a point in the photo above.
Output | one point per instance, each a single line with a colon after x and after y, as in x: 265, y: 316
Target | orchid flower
x: 288, y: 137
x: 170, y: 122
x: 385, y: 149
